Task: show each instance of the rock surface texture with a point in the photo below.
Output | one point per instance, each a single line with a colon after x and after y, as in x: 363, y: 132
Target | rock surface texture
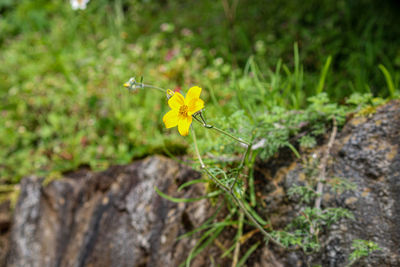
x: 115, y: 218
x: 112, y: 218
x: 366, y: 153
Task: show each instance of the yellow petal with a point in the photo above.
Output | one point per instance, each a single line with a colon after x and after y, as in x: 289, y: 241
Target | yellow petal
x: 171, y: 118
x: 195, y: 105
x: 184, y: 124
x: 176, y: 101
x: 193, y: 93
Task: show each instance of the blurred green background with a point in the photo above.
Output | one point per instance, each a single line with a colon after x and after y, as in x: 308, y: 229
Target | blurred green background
x: 61, y: 73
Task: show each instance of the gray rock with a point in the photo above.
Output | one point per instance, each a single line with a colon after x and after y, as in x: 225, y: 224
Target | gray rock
x: 112, y: 218
x: 366, y: 153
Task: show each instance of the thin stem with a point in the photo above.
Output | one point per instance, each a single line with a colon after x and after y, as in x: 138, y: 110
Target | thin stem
x: 239, y: 235
x: 204, y: 121
x: 251, y: 180
x: 322, y: 167
x: 203, y: 166
x: 248, y: 150
x: 205, y: 125
x: 231, y: 136
x: 154, y: 87
x: 230, y: 192
x: 240, y: 168
x: 196, y: 148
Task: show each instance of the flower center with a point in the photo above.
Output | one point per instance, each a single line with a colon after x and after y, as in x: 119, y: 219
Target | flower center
x: 183, y: 110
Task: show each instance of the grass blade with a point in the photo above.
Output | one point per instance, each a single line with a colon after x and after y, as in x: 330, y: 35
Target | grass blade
x: 251, y: 180
x: 196, y: 181
x: 294, y: 150
x: 389, y: 80
x: 324, y: 72
x: 214, y: 232
x: 185, y: 200
x: 205, y: 226
x: 247, y: 254
x: 255, y: 215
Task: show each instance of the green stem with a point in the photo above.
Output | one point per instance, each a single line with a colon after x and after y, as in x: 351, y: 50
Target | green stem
x: 154, y: 87
x: 229, y: 192
x: 205, y: 125
x: 245, y: 156
x: 231, y: 136
x: 196, y: 148
x: 239, y: 235
x: 240, y: 168
x: 251, y: 180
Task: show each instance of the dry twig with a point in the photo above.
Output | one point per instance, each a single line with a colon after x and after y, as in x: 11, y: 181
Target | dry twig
x: 322, y: 166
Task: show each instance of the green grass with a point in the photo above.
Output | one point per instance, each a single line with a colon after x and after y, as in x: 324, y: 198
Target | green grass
x: 61, y: 72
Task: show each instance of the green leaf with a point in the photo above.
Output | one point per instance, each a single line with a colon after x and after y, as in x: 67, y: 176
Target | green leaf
x: 200, y: 246
x: 324, y: 72
x: 186, y: 200
x: 196, y: 181
x: 255, y: 215
x: 205, y: 226
x: 389, y: 80
x: 247, y: 254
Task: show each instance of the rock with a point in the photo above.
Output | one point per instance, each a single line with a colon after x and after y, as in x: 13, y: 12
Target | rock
x: 5, y: 224
x: 366, y: 153
x: 112, y: 218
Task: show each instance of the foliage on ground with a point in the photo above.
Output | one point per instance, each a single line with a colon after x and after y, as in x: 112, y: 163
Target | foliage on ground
x: 63, y: 105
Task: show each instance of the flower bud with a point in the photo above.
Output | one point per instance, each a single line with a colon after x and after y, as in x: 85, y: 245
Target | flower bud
x: 170, y: 93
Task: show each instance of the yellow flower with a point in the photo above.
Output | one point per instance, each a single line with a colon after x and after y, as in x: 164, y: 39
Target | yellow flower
x: 182, y: 110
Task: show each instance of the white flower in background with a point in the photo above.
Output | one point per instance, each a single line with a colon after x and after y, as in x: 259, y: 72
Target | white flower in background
x: 167, y: 27
x: 78, y: 4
